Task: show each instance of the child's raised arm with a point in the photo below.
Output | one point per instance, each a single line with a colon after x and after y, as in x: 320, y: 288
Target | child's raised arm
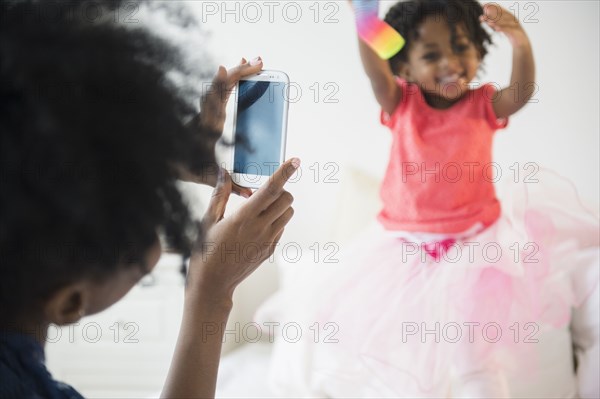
x: 522, y: 81
x: 386, y: 90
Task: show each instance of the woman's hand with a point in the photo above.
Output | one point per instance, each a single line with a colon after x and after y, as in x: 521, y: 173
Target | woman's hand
x: 231, y: 250
x: 213, y: 103
x: 235, y: 246
x: 212, y: 117
x: 502, y: 20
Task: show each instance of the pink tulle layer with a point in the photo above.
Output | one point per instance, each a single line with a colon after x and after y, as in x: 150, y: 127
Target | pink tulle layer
x: 415, y: 323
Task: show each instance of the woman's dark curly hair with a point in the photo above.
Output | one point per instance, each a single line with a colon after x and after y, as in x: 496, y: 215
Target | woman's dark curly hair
x: 90, y: 133
x: 406, y: 16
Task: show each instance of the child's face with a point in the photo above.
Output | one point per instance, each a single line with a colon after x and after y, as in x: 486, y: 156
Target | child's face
x: 440, y: 69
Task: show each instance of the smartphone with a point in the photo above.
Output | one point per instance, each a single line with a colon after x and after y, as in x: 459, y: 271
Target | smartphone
x: 260, y: 127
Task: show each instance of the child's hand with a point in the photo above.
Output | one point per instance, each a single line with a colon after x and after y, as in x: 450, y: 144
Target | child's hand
x: 523, y: 70
x: 502, y: 20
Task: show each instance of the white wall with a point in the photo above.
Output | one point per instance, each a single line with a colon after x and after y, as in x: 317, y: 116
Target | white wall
x: 559, y: 132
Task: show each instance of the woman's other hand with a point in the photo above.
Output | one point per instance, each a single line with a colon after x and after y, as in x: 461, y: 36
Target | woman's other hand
x: 212, y: 117
x: 235, y: 246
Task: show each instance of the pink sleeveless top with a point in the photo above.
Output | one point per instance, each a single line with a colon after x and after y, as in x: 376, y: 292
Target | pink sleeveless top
x: 440, y: 175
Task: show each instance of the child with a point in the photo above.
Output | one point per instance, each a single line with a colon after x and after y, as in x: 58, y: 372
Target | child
x: 448, y: 297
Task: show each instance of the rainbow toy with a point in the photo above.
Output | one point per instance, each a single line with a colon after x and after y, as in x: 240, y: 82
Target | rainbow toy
x: 380, y: 36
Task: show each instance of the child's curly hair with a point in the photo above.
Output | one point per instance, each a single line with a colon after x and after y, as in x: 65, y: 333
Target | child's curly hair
x: 90, y: 133
x: 406, y: 16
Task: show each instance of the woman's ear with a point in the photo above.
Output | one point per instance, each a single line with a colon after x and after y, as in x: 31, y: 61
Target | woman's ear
x: 67, y: 305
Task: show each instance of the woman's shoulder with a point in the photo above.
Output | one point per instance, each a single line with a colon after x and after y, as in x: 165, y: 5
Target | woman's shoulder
x: 23, y: 371
x: 15, y: 383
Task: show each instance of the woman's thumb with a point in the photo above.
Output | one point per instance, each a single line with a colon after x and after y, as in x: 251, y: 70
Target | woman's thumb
x: 220, y: 196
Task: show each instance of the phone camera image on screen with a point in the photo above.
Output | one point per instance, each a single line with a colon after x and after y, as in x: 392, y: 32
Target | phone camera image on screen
x: 258, y: 127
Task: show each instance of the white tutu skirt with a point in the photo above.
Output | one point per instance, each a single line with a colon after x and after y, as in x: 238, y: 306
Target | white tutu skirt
x: 391, y: 320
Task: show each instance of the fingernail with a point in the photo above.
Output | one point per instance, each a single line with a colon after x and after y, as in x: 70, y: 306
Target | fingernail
x: 245, y: 195
x: 256, y: 61
x: 295, y: 163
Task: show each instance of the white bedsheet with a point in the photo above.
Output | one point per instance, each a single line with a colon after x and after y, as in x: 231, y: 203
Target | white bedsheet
x: 243, y: 372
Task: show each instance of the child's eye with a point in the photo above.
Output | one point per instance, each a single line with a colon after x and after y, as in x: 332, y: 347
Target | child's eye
x: 461, y: 48
x: 431, y: 56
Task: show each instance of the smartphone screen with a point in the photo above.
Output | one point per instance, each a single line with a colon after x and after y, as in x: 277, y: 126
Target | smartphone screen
x: 258, y: 127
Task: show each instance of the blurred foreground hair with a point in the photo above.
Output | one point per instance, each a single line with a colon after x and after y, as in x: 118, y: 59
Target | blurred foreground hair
x: 90, y: 133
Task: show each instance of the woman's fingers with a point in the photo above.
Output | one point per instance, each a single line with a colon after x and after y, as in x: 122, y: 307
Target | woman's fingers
x: 218, y: 201
x: 242, y: 191
x: 242, y: 70
x: 277, y: 208
x: 272, y: 190
x: 280, y: 223
x: 214, y: 101
x: 278, y: 236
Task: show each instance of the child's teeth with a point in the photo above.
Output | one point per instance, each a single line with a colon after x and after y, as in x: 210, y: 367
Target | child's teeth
x: 450, y: 79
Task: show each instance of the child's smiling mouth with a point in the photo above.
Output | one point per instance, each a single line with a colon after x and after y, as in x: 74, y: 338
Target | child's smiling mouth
x: 455, y: 78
